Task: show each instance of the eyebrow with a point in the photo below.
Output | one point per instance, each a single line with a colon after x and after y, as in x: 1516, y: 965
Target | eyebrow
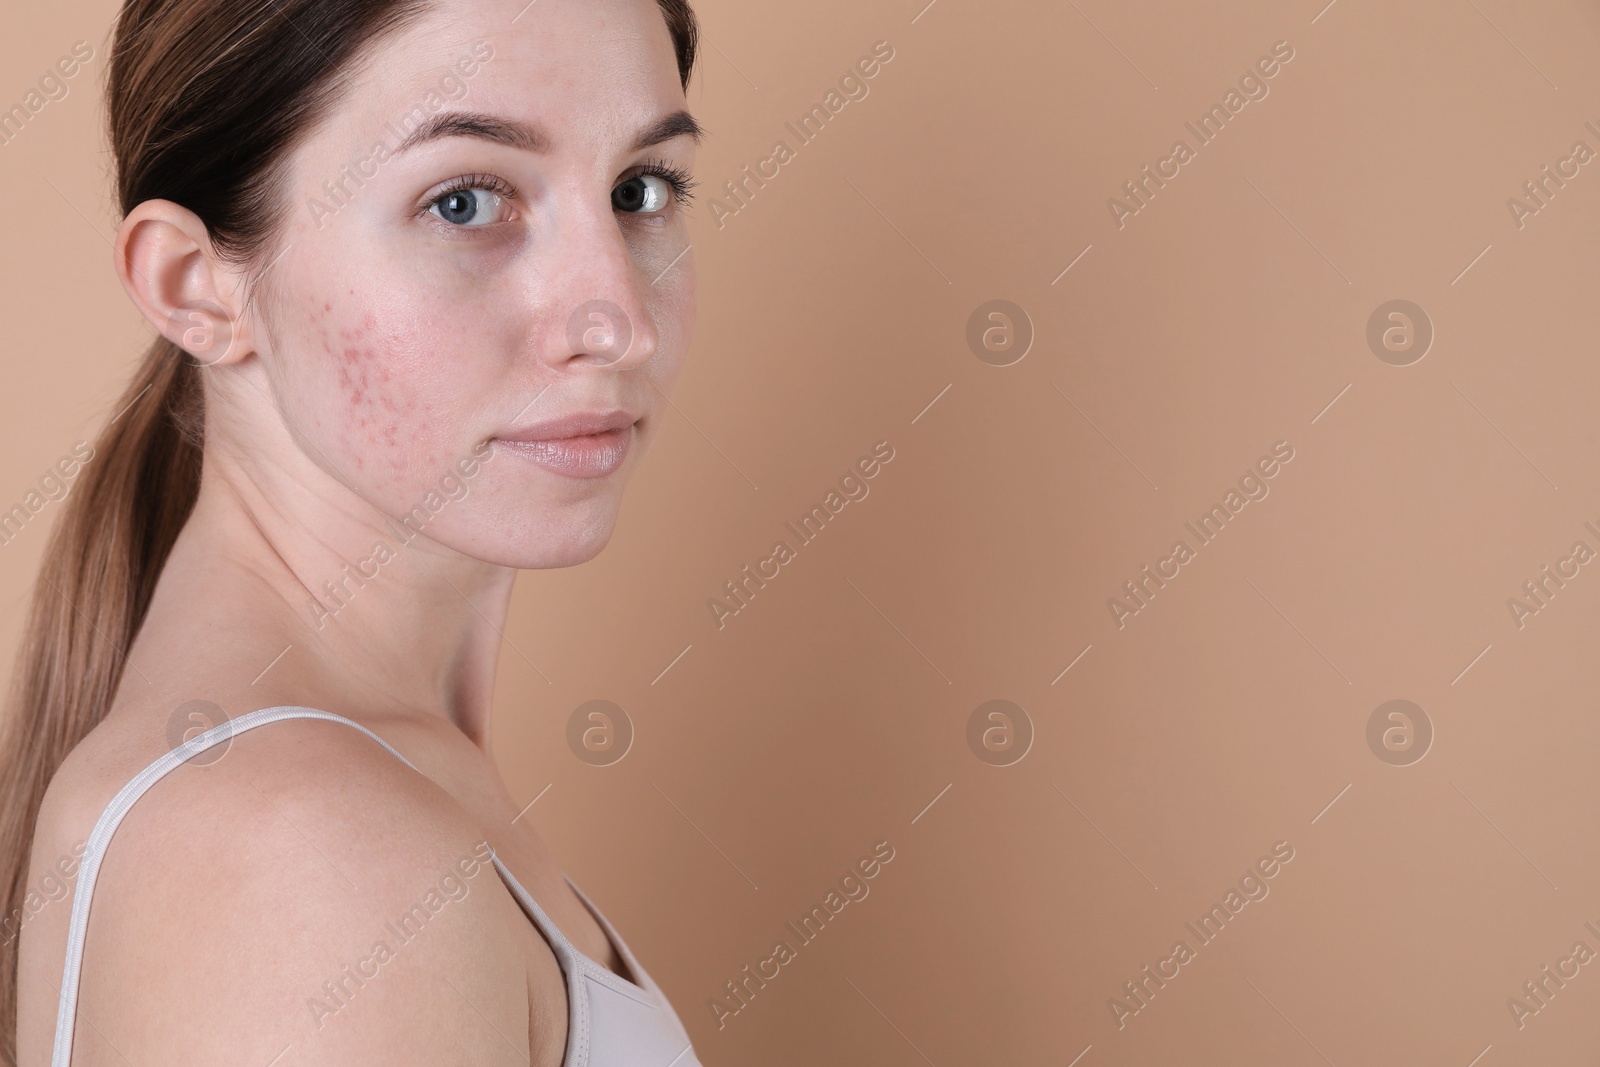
x: 532, y: 138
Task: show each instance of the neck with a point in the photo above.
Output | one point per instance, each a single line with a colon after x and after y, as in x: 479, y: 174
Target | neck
x: 375, y: 614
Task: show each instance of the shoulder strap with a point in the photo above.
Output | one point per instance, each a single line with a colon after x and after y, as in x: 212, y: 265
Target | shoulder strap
x: 94, y: 850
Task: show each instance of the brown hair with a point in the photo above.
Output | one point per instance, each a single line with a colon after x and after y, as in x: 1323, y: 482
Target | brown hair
x: 205, y: 101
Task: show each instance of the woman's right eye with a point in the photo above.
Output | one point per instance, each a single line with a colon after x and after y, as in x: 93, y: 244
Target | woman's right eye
x: 470, y: 207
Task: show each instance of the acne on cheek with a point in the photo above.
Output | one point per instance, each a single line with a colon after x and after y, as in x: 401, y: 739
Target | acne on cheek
x: 378, y: 414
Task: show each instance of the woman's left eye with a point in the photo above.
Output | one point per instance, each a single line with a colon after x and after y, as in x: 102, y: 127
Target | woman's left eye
x: 470, y: 207
x: 643, y: 194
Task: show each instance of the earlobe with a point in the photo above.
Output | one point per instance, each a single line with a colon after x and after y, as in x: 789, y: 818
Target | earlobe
x: 171, y: 272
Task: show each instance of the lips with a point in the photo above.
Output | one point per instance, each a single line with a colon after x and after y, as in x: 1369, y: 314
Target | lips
x: 577, y: 424
x: 585, y: 444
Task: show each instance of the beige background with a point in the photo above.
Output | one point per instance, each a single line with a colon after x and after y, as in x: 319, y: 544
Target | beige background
x: 1227, y: 715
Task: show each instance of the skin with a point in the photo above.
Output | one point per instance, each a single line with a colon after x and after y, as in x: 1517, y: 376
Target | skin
x: 382, y: 346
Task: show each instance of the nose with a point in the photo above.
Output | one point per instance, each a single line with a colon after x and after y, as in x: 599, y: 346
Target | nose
x: 600, y: 313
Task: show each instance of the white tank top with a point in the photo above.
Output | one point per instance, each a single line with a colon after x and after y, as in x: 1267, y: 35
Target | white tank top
x: 611, y: 1022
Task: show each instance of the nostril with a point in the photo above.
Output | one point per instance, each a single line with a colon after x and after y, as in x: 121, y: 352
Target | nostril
x: 601, y: 329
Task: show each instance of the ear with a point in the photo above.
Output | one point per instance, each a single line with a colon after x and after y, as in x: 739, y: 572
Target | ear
x: 173, y: 274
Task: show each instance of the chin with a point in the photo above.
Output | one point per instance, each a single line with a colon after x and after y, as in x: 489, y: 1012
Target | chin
x: 549, y: 544
x: 569, y: 553
x: 512, y: 527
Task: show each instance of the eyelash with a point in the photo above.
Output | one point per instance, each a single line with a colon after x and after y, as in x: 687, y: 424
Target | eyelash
x: 495, y: 185
x: 682, y: 184
x: 678, y: 179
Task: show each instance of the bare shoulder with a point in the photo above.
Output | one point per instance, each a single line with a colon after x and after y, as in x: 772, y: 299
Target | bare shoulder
x: 301, y: 889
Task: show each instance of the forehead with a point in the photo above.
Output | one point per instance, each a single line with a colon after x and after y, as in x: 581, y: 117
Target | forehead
x: 585, y: 70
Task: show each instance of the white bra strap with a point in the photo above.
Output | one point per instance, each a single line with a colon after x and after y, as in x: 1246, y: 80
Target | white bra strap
x: 67, y: 1010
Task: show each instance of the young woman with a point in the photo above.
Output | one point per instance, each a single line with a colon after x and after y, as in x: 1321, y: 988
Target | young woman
x: 420, y: 272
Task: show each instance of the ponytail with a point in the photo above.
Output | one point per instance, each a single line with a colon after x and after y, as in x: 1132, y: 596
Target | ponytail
x: 100, y: 568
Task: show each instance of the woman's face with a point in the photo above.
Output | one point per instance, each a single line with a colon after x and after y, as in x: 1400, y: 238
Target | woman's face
x: 484, y: 262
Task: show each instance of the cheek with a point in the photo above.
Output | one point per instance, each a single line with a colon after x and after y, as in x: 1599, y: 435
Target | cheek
x: 675, y: 317
x: 377, y: 397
